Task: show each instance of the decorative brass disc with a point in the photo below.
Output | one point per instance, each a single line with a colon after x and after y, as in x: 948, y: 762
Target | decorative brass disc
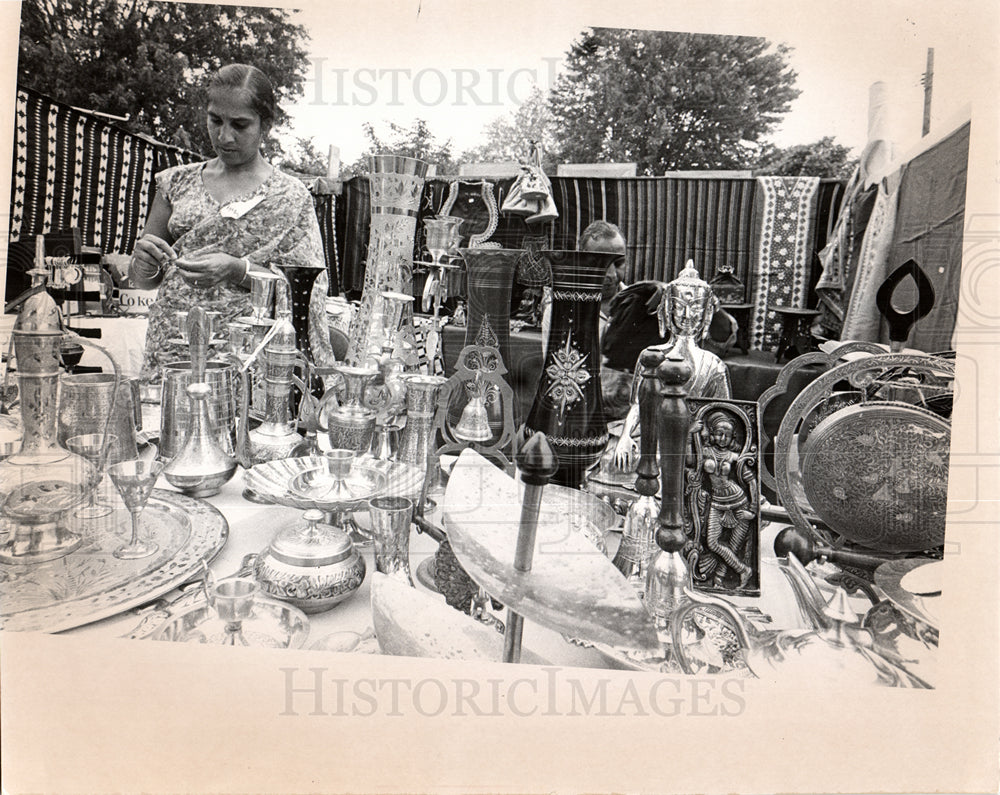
x: 877, y: 474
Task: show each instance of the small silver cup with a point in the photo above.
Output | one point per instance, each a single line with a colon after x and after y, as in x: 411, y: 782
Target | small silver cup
x: 390, y: 518
x: 233, y: 599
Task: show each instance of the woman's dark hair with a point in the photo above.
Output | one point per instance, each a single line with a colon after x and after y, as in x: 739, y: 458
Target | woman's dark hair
x: 253, y: 83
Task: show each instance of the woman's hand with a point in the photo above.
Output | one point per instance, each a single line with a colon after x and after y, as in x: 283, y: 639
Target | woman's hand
x: 149, y: 258
x: 625, y: 452
x: 210, y: 269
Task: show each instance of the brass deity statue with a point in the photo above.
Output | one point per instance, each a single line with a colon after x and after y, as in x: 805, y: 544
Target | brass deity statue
x: 687, y: 308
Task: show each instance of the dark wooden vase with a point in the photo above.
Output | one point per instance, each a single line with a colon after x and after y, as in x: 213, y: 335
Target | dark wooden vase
x: 568, y: 408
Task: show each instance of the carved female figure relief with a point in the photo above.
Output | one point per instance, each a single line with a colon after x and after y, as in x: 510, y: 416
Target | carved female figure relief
x: 722, y: 495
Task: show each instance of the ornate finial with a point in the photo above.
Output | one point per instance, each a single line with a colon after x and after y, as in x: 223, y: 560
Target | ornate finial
x: 647, y: 481
x: 537, y: 460
x: 674, y: 372
x: 538, y: 463
x: 651, y: 358
x: 793, y: 540
x: 668, y: 574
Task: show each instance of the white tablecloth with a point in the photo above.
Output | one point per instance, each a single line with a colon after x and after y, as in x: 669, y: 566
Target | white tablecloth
x: 251, y: 527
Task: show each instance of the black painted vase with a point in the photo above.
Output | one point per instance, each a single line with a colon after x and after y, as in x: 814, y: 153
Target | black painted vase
x: 568, y: 408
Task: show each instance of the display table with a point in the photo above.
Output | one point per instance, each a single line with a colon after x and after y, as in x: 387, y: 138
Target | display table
x: 251, y: 527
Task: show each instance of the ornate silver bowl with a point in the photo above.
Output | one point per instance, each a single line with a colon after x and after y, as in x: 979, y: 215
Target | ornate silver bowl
x: 271, y: 482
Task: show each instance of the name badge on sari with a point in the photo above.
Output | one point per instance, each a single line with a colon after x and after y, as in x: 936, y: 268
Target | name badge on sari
x: 238, y: 209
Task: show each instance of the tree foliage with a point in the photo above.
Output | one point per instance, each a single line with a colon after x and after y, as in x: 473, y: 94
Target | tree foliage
x: 669, y: 101
x: 417, y: 141
x: 508, y: 137
x: 824, y: 158
x: 305, y: 159
x: 149, y: 60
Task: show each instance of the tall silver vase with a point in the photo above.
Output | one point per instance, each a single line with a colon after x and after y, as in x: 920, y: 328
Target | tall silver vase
x: 396, y: 185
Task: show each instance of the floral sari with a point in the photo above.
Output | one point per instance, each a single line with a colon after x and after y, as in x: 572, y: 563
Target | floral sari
x: 270, y: 226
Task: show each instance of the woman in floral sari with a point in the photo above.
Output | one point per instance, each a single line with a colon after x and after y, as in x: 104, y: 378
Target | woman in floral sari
x: 213, y: 223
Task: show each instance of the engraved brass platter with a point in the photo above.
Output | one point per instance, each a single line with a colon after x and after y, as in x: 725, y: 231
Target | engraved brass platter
x: 878, y: 474
x: 90, y: 584
x: 860, y: 457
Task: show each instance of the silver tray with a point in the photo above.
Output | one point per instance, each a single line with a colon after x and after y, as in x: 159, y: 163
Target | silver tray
x: 877, y: 474
x: 91, y: 584
x: 873, y: 472
x: 271, y: 626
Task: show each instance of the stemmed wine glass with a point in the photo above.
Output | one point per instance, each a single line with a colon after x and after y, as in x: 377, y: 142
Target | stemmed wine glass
x: 91, y: 446
x: 134, y: 481
x: 340, y: 487
x: 339, y: 464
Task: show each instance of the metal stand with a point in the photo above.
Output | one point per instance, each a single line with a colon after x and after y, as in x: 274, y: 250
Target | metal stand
x: 538, y: 463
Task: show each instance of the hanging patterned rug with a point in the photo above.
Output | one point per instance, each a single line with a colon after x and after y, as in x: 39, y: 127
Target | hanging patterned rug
x: 784, y: 253
x: 75, y: 170
x: 862, y: 320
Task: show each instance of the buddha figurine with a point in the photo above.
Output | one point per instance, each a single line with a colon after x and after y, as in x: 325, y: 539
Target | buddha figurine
x: 686, y: 309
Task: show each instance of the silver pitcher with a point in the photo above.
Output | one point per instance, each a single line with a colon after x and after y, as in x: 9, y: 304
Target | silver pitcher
x: 347, y: 418
x: 223, y: 380
x: 84, y: 402
x: 202, y: 466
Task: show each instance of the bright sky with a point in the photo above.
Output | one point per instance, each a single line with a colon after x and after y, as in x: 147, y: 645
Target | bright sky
x: 461, y: 65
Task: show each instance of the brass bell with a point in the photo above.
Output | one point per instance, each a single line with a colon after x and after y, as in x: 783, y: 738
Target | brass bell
x: 474, y: 425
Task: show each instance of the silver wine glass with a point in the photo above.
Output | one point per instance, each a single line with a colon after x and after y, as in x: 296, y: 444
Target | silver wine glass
x: 134, y: 481
x: 91, y: 446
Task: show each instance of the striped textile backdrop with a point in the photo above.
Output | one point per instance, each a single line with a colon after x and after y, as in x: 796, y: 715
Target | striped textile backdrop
x: 76, y: 170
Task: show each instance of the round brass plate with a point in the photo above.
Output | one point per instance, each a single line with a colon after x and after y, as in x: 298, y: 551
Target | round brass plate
x: 877, y: 474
